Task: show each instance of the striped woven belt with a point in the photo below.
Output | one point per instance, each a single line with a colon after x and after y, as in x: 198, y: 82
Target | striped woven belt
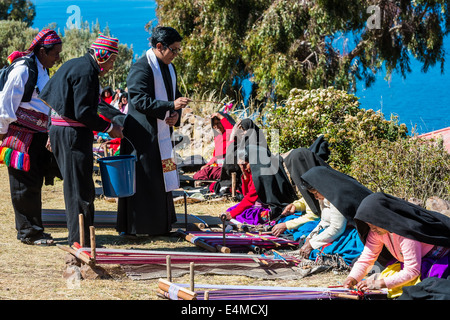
x: 62, y: 121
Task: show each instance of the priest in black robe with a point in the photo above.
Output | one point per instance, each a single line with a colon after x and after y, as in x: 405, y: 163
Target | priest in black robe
x: 154, y: 108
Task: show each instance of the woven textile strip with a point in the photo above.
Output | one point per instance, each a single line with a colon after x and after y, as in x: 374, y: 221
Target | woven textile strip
x: 14, y: 147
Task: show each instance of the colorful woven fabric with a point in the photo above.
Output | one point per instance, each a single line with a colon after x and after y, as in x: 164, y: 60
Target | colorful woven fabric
x: 104, y: 47
x: 44, y: 37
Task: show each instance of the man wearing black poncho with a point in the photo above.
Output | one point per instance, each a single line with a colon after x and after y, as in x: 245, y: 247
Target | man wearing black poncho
x: 74, y: 95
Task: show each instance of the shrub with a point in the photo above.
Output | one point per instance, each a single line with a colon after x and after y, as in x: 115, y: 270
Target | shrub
x: 407, y: 168
x: 377, y: 152
x: 337, y: 115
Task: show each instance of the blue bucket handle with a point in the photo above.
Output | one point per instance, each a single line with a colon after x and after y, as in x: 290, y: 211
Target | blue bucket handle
x: 134, y: 153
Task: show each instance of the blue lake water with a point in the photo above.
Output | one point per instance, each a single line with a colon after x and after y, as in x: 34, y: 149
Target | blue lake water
x: 421, y: 100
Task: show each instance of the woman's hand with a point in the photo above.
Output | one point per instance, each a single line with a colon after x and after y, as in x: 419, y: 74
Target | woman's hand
x: 288, y: 210
x: 370, y: 284
x: 306, y: 249
x: 350, y: 283
x: 278, y: 229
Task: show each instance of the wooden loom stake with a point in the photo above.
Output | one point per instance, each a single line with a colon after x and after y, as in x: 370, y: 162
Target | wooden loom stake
x: 93, y: 245
x: 233, y: 184
x: 168, y: 268
x: 191, y: 271
x: 185, y: 212
x: 81, y: 223
x: 223, y: 217
x: 206, y: 295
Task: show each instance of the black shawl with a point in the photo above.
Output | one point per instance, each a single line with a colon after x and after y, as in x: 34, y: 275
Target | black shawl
x: 270, y: 180
x: 403, y: 218
x: 298, y: 162
x: 321, y: 148
x: 343, y: 191
x: 252, y: 136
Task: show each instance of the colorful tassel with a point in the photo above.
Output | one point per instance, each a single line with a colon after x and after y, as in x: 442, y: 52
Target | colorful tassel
x: 15, y: 159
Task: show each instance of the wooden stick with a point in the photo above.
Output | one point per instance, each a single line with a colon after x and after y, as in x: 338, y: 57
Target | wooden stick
x: 206, y: 297
x: 183, y: 293
x: 223, y: 217
x: 185, y: 212
x: 191, y: 272
x: 82, y: 253
x: 198, y: 242
x: 233, y: 184
x: 93, y: 244
x: 345, y: 296
x: 263, y: 238
x: 74, y: 253
x: 223, y: 249
x: 168, y: 268
x: 81, y: 223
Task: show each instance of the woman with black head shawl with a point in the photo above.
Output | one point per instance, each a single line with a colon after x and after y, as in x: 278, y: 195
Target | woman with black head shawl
x: 265, y: 186
x: 222, y: 125
x: 245, y: 132
x: 417, y: 238
x: 298, y: 162
x: 340, y: 197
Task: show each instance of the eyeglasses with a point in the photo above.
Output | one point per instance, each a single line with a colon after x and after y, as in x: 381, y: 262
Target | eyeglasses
x: 174, y: 51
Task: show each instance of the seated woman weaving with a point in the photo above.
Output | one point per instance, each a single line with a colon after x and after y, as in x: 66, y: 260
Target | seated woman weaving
x: 417, y: 242
x: 265, y: 187
x: 307, y: 208
x: 222, y: 125
x: 339, y: 196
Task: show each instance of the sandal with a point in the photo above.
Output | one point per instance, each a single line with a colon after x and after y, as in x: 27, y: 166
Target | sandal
x: 42, y: 240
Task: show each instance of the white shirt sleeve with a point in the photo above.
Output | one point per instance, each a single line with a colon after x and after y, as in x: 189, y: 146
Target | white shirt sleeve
x: 332, y: 230
x: 11, y: 96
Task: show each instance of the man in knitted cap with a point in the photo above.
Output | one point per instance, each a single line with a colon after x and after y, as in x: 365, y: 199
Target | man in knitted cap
x: 73, y: 93
x: 24, y: 133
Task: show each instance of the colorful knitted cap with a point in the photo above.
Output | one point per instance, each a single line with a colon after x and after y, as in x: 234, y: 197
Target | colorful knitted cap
x: 44, y: 37
x: 104, y: 47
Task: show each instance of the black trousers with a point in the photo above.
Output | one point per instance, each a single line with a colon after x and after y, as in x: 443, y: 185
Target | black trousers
x: 72, y: 147
x: 26, y: 190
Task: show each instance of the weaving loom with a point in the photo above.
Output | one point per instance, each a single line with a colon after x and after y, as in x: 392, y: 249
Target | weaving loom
x: 179, y: 291
x: 236, y: 242
x: 126, y: 256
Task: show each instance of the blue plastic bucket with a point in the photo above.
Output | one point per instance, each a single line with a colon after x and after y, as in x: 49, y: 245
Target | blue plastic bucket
x: 118, y: 175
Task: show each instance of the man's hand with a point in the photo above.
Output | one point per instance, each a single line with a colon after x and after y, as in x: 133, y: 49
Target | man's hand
x: 48, y: 145
x: 116, y: 132
x: 172, y: 119
x: 181, y: 102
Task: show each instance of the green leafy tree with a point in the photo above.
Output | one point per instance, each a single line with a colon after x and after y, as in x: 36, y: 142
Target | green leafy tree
x: 17, y: 10
x: 17, y: 36
x: 287, y: 44
x: 76, y: 43
x: 14, y: 36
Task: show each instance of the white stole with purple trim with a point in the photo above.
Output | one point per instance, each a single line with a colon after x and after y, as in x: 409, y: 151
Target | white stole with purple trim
x: 171, y: 178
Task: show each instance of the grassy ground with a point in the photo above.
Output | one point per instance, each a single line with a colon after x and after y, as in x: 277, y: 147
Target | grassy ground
x: 35, y: 273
